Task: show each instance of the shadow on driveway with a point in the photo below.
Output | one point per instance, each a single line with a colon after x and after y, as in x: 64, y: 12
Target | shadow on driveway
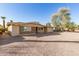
x: 47, y: 34
x: 4, y: 41
x: 52, y: 41
x: 41, y: 34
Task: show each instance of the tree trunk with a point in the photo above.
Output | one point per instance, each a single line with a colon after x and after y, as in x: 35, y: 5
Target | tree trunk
x: 3, y: 25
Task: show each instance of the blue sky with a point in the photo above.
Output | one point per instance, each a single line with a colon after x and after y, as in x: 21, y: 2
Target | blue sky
x: 41, y: 12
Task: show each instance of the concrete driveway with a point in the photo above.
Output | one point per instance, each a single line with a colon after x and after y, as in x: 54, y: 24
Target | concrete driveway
x: 46, y: 44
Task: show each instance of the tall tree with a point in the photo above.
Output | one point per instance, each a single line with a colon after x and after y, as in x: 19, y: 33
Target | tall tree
x: 3, y: 21
x: 64, y: 16
x: 72, y: 26
x: 56, y: 21
x: 61, y: 18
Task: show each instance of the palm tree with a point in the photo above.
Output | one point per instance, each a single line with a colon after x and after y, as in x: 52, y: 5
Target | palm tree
x: 11, y: 21
x: 3, y: 22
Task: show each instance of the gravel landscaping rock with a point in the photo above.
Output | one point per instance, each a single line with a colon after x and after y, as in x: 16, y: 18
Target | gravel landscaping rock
x: 51, y: 44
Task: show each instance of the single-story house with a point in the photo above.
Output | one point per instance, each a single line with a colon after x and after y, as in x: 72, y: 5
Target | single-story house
x: 17, y: 28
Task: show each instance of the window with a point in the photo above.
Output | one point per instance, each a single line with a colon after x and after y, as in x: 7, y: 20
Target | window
x: 40, y: 28
x: 25, y: 29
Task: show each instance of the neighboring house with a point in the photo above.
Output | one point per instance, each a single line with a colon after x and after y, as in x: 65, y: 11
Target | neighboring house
x: 17, y: 28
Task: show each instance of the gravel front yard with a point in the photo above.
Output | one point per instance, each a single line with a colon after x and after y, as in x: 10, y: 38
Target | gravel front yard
x: 51, y: 44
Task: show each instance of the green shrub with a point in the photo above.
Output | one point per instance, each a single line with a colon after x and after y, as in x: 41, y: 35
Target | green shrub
x: 8, y: 32
x: 1, y: 31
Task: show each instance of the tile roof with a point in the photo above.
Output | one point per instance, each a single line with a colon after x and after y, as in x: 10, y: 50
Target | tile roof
x: 32, y: 24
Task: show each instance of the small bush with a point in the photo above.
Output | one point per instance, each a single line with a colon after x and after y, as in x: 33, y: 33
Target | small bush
x: 8, y: 32
x: 1, y: 31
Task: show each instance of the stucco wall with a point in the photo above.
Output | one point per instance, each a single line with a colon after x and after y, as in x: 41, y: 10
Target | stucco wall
x: 14, y: 30
x: 49, y: 29
x: 40, y: 30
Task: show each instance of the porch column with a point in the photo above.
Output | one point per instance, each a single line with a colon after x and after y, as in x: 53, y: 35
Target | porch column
x: 36, y: 29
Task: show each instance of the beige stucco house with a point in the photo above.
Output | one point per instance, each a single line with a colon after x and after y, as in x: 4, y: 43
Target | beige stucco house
x: 17, y: 28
